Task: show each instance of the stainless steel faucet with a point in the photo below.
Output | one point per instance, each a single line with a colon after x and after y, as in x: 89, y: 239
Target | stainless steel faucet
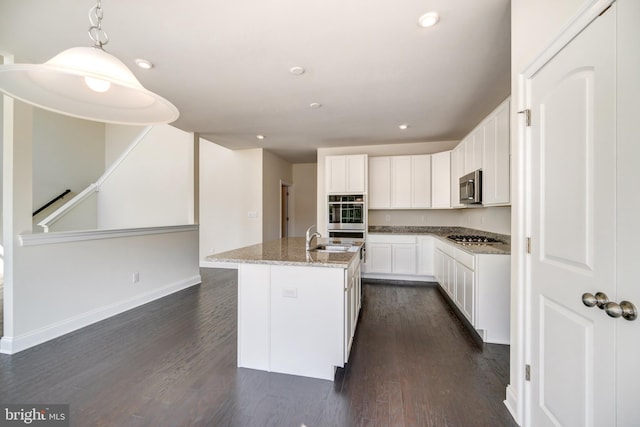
x: 310, y: 237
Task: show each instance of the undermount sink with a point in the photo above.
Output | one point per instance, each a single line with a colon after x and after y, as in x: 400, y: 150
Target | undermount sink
x: 332, y: 247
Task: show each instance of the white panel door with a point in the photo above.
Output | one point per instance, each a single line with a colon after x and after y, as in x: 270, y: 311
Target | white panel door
x: 572, y: 224
x: 628, y: 226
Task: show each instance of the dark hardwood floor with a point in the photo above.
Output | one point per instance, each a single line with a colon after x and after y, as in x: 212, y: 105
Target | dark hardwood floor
x: 173, y: 363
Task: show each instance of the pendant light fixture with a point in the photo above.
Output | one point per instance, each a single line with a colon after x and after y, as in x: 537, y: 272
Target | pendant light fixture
x: 88, y: 83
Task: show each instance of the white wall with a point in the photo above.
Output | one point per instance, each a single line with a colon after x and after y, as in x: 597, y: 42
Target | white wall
x: 534, y: 24
x: 117, y: 140
x: 274, y: 172
x: 67, y: 153
x: 230, y: 193
x: 303, y: 199
x: 51, y: 289
x: 79, y: 283
x: 153, y: 186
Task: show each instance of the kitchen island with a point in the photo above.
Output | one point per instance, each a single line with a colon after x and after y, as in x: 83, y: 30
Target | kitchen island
x: 297, y: 309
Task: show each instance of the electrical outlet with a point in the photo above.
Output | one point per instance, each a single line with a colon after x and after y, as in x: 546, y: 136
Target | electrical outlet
x: 135, y: 277
x: 424, y: 218
x: 482, y: 219
x: 387, y: 218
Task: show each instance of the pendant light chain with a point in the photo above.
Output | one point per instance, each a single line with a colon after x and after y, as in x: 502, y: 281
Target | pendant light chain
x: 96, y: 33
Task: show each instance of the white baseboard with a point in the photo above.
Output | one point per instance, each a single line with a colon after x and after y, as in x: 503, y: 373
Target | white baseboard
x: 409, y: 278
x: 511, y: 403
x: 13, y: 345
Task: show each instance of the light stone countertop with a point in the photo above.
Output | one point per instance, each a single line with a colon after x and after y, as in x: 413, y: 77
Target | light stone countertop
x: 442, y: 233
x: 289, y: 251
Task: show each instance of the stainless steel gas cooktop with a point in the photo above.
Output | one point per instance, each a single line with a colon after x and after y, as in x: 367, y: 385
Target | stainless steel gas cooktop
x: 469, y: 239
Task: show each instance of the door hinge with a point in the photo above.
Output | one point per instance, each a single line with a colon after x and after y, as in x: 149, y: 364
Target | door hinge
x: 528, y: 245
x: 527, y: 116
x: 527, y: 372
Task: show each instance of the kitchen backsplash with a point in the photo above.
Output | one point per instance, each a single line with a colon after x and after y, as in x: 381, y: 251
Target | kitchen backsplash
x: 492, y: 219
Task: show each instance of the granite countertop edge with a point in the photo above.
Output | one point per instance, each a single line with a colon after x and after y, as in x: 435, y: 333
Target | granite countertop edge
x: 287, y: 252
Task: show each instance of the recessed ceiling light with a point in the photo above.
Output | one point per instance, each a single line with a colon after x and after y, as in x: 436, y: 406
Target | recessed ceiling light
x: 260, y: 137
x: 296, y: 71
x: 315, y: 105
x: 403, y: 126
x: 429, y: 19
x: 144, y: 64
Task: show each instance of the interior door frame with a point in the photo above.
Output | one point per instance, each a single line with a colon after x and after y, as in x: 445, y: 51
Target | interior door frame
x: 518, y: 393
x: 289, y: 187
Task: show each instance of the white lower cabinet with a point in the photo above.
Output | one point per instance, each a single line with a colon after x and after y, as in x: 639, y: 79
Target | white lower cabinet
x: 378, y: 257
x: 403, y: 258
x: 479, y: 286
x: 425, y: 254
x: 392, y: 254
x: 464, y: 279
x: 407, y: 257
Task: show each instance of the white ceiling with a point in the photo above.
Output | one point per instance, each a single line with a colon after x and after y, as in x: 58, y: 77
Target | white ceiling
x: 225, y: 64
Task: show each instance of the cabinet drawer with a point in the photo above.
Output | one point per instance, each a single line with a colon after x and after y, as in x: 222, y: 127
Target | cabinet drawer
x: 447, y: 249
x: 390, y: 238
x: 465, y: 259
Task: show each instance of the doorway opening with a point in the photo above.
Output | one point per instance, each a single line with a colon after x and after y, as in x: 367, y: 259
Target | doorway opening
x: 284, y: 209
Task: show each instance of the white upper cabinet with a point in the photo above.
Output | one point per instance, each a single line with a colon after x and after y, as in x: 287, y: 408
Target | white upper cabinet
x: 400, y: 182
x: 473, y: 147
x: 421, y: 179
x: 379, y: 183
x: 496, y: 158
x: 441, y: 180
x: 457, y: 168
x: 488, y: 148
x: 346, y: 174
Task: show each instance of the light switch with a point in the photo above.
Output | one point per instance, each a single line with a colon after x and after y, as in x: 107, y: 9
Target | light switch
x: 290, y: 293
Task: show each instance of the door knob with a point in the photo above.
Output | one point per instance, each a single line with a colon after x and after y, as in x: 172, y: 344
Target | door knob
x: 629, y: 311
x: 599, y: 299
x: 589, y: 300
x: 613, y: 310
x: 625, y: 309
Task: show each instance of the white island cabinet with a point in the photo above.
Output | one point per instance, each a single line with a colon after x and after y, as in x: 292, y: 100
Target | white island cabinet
x: 297, y: 310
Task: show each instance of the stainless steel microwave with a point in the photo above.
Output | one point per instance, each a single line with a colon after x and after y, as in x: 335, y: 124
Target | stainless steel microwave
x: 471, y: 188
